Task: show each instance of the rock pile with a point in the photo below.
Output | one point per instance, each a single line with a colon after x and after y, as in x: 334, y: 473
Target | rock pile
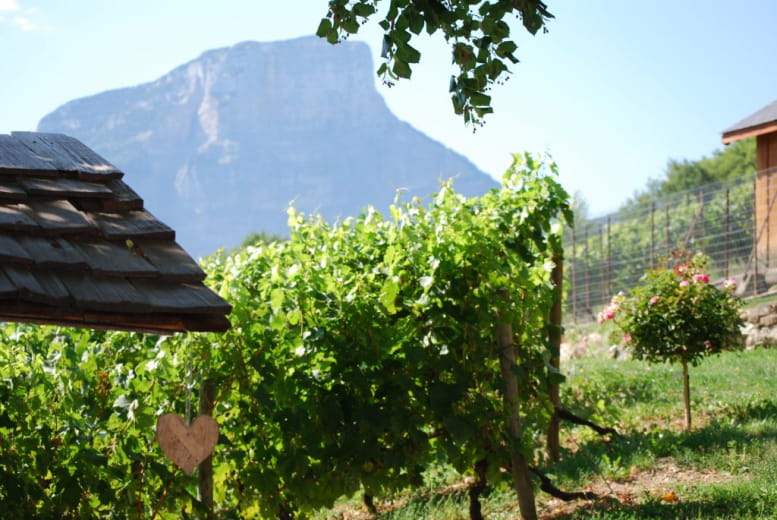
x: 760, y: 326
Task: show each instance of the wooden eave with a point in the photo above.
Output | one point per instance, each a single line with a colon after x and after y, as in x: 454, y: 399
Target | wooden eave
x: 78, y: 248
x: 763, y: 121
x: 753, y: 131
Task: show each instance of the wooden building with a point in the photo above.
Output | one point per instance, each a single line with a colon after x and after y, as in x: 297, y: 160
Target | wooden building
x: 763, y: 126
x: 78, y: 248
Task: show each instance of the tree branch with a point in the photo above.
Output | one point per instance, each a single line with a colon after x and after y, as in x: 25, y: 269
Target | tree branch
x: 569, y: 416
x: 548, y: 487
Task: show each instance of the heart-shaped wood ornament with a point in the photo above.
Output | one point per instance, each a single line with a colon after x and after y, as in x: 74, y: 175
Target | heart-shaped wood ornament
x: 187, y: 446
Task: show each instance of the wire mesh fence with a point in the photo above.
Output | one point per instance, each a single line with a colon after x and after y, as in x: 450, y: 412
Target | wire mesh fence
x: 733, y: 222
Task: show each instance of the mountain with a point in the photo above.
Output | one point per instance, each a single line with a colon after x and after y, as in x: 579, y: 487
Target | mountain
x: 219, y: 146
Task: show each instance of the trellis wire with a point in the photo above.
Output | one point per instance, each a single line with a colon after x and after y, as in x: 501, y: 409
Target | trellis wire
x: 609, y: 254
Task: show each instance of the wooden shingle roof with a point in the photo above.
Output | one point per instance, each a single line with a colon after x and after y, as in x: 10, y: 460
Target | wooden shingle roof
x: 78, y: 248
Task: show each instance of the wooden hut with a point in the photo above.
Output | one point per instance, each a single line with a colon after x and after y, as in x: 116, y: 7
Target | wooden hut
x: 763, y: 126
x: 78, y: 248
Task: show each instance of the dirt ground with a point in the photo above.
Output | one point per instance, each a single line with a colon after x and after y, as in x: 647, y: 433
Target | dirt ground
x: 664, y: 482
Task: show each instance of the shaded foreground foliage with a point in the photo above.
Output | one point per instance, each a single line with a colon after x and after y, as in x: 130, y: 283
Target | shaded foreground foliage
x: 361, y: 353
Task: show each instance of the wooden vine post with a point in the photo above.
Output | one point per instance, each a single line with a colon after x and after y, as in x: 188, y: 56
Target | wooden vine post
x: 190, y: 446
x: 686, y: 395
x: 207, y: 399
x: 520, y: 468
x: 554, y: 342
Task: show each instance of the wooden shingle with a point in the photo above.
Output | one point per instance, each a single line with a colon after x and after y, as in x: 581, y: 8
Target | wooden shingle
x: 12, y: 252
x: 17, y: 158
x: 67, y: 154
x: 53, y: 253
x: 13, y: 217
x: 114, y: 259
x: 133, y: 225
x: 77, y: 247
x: 7, y: 288
x: 64, y: 188
x: 12, y: 191
x: 171, y: 260
x: 110, y: 294
x: 58, y: 217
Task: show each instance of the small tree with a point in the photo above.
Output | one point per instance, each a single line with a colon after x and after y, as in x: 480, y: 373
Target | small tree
x: 676, y: 315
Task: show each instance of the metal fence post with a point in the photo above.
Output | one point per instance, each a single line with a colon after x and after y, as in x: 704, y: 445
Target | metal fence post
x: 587, y: 278
x: 755, y: 237
x: 653, y: 235
x: 609, y: 256
x: 727, y: 235
x: 602, y: 265
x: 768, y: 216
x: 702, y: 226
x: 573, y: 274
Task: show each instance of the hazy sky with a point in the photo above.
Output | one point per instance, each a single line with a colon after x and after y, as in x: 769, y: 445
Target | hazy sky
x: 612, y: 91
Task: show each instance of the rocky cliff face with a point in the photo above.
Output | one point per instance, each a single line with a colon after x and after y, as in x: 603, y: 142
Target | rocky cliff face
x: 219, y: 146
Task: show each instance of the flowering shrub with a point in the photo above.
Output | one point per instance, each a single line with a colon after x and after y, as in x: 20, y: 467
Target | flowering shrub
x: 675, y: 314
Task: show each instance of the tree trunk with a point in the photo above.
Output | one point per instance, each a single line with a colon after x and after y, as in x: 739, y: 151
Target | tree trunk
x: 554, y: 341
x: 285, y: 513
x: 137, y: 474
x: 476, y: 489
x: 207, y: 397
x: 520, y: 469
x: 686, y: 396
x: 369, y: 503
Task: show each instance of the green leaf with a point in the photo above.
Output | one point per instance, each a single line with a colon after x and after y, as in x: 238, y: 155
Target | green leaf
x: 459, y: 429
x: 276, y: 299
x: 388, y: 295
x: 350, y: 25
x: 407, y: 54
x: 399, y: 36
x: 417, y: 24
x: 401, y: 69
x: 363, y: 9
x: 506, y: 49
x: 324, y: 28
x: 479, y: 99
x: 386, y: 48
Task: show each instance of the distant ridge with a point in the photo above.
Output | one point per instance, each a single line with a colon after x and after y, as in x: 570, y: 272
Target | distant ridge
x: 220, y: 145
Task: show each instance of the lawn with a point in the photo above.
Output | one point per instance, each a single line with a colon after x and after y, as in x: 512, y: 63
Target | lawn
x: 726, y: 467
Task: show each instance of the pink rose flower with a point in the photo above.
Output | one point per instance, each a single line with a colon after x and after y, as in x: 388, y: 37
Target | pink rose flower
x: 729, y: 283
x: 685, y: 283
x: 707, y: 343
x: 626, y: 339
x: 608, y: 313
x: 654, y: 299
x: 701, y: 278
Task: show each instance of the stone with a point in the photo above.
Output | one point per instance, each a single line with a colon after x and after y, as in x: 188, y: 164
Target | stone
x: 768, y: 320
x: 748, y: 282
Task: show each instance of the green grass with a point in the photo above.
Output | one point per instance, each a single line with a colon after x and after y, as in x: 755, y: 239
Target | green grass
x: 734, y: 404
x: 725, y: 468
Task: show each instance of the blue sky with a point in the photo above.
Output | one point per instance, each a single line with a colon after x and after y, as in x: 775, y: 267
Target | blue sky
x: 613, y: 90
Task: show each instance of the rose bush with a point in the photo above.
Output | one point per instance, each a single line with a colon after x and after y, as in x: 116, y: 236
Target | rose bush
x: 677, y: 315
